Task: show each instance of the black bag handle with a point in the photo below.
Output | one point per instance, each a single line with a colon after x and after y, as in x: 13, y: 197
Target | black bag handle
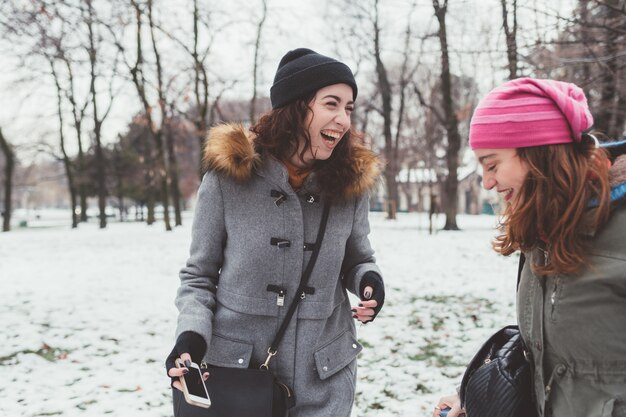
x: 300, y: 293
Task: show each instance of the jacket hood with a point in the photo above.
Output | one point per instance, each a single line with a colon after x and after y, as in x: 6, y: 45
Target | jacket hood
x: 617, y: 172
x: 229, y: 150
x: 617, y: 178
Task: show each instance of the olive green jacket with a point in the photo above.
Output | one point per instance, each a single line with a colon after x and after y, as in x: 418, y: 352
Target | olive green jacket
x: 574, y: 327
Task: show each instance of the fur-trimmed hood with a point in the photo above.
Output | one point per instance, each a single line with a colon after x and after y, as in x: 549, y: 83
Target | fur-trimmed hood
x: 229, y: 150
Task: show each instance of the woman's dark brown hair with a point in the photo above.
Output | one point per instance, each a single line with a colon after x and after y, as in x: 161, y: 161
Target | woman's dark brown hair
x: 553, y: 205
x: 278, y: 133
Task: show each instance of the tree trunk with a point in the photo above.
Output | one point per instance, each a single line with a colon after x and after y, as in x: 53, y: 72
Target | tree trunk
x: 166, y: 199
x: 510, y: 34
x: 433, y: 209
x: 100, y: 164
x: 255, y: 66
x: 620, y: 114
x: 101, y: 175
x: 173, y: 167
x: 119, y: 182
x: 164, y: 158
x: 82, y: 190
x: 67, y: 163
x: 79, y: 165
x: 150, y: 188
x: 385, y: 91
x: 586, y: 40
x: 9, y: 157
x: 200, y: 80
x: 452, y: 129
x: 610, y: 84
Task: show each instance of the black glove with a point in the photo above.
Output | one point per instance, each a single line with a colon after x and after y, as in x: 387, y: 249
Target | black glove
x: 372, y: 279
x: 188, y: 342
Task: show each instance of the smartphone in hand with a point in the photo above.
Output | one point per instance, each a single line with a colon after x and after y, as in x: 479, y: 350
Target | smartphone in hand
x: 193, y: 386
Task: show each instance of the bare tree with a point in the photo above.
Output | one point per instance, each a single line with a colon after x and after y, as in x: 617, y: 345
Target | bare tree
x: 387, y: 106
x: 201, y: 78
x: 98, y: 118
x: 587, y: 50
x: 608, y: 118
x: 384, y: 87
x: 451, y: 122
x: 136, y: 71
x: 9, y: 164
x: 156, y: 159
x: 42, y: 30
x: 255, y: 65
x: 510, y: 33
x: 78, y: 115
x: 170, y: 169
x: 67, y: 162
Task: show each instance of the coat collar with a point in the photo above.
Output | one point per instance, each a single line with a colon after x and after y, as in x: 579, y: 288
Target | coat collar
x: 229, y: 150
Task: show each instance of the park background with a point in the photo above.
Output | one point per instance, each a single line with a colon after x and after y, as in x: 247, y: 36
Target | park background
x: 104, y: 106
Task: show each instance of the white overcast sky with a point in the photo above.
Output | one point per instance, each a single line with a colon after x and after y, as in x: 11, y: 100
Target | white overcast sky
x: 27, y: 112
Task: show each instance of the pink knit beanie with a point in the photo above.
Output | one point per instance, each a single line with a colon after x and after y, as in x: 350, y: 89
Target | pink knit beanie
x: 529, y: 112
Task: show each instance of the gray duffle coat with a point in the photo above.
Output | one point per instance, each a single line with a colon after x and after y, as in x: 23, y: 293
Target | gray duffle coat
x: 575, y: 325
x: 229, y: 286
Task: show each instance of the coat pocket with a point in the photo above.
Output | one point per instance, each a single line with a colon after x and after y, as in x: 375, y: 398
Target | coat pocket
x: 336, y: 354
x: 228, y: 352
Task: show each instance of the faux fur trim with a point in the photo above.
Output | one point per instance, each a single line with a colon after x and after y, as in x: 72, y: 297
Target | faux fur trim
x: 370, y: 166
x: 229, y: 150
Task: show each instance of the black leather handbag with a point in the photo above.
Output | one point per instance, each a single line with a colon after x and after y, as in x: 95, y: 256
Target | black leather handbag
x: 236, y: 392
x: 498, y: 381
x: 239, y: 392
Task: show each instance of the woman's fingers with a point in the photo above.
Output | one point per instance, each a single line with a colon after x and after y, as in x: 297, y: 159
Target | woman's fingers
x: 365, y: 310
x: 177, y: 385
x: 365, y: 306
x: 184, y: 362
x: 368, y: 304
x: 185, y: 358
x: 176, y: 372
x: 363, y: 314
x: 453, y: 402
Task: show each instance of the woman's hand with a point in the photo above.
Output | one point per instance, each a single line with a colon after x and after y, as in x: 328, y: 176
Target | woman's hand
x: 453, y: 402
x: 190, y: 346
x: 175, y: 373
x: 365, y: 312
x: 372, y: 298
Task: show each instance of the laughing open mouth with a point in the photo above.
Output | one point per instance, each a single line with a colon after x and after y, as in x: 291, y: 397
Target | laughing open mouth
x: 330, y: 136
x: 507, y: 194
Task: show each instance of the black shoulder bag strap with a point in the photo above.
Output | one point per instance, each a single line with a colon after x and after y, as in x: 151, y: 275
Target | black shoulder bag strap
x: 300, y: 293
x: 522, y: 259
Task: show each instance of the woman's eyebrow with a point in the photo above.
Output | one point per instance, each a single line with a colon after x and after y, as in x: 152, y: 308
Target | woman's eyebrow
x: 482, y: 158
x: 336, y: 98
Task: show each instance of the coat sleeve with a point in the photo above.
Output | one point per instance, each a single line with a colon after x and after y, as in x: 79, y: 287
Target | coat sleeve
x: 195, y: 299
x: 359, y: 256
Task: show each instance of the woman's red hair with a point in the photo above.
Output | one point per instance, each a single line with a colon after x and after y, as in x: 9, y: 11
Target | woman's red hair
x: 554, y: 205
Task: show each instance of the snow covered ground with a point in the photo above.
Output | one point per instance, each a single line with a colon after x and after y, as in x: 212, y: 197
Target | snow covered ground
x: 88, y: 316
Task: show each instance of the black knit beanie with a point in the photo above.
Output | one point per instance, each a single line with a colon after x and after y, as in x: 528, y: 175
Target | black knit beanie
x: 303, y: 71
